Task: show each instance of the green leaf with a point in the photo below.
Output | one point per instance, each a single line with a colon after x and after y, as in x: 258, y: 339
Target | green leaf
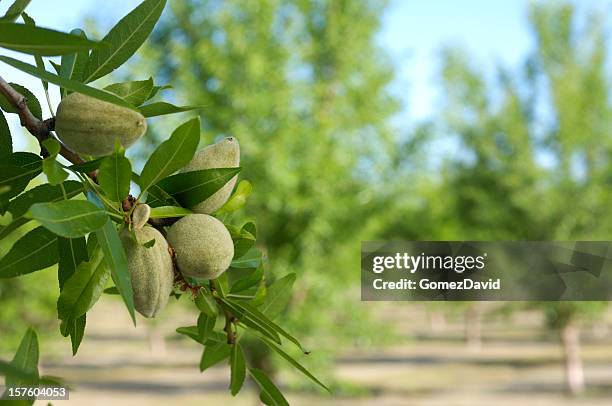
x: 111, y: 291
x: 172, y: 154
x: 206, y: 303
x: 213, y: 354
x: 206, y: 325
x: 82, y: 290
x: 260, y: 324
x: 124, y: 39
x: 43, y: 193
x: 15, y: 10
x: 255, y: 314
x: 238, y: 199
x: 251, y: 259
x: 115, y: 257
x: 77, y: 332
x: 157, y: 89
x: 71, y: 252
x: 68, y: 218
x: 248, y: 282
x: 169, y: 211
x: 6, y: 141
x: 31, y: 101
x: 155, y: 194
x: 69, y: 62
x: 135, y: 92
x: 34, y: 40
x: 115, y: 175
x: 68, y: 84
x: 278, y: 296
x: 82, y: 58
x: 53, y: 170
x: 238, y: 369
x: 193, y: 333
x: 86, y: 167
x: 34, y: 251
x: 37, y: 58
x: 292, y: 361
x: 269, y: 391
x: 163, y: 108
x: 26, y: 361
x: 191, y: 188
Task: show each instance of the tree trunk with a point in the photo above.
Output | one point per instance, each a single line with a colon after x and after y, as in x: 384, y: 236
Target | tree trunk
x: 574, y: 373
x: 473, y: 327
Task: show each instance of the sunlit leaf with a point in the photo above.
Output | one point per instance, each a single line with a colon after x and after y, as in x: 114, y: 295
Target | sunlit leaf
x: 68, y: 218
x: 68, y: 84
x: 34, y: 40
x: 123, y: 39
x: 163, y: 108
x: 172, y: 154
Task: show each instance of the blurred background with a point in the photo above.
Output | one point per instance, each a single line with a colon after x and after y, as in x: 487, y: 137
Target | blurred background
x: 363, y: 120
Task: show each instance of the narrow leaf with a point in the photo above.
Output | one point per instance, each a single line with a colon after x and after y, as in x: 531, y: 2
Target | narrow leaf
x: 115, y: 175
x: 68, y: 218
x: 34, y: 251
x: 213, y: 354
x: 71, y: 252
x: 15, y: 10
x: 26, y: 361
x: 206, y: 324
x: 37, y: 58
x: 191, y: 188
x: 268, y: 389
x: 238, y: 369
x: 68, y: 84
x: 135, y: 92
x: 77, y: 333
x: 163, y: 108
x: 251, y: 259
x: 82, y: 58
x: 114, y: 255
x: 292, y: 361
x: 34, y: 40
x: 205, y: 303
x: 172, y: 154
x: 82, y: 290
x: 278, y: 296
x: 248, y: 282
x: 124, y: 39
x: 169, y: 211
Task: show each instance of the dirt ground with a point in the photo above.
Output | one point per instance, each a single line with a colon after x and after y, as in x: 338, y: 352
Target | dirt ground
x: 517, y: 365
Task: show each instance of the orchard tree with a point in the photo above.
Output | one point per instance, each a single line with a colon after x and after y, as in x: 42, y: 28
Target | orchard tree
x: 532, y: 154
x: 169, y: 236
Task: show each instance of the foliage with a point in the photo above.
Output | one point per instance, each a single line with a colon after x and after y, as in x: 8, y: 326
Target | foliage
x: 75, y: 223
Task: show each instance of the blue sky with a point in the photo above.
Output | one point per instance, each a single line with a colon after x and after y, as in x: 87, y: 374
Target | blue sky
x: 412, y: 32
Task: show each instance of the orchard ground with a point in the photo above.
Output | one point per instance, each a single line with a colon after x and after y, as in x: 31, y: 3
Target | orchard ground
x: 518, y: 363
